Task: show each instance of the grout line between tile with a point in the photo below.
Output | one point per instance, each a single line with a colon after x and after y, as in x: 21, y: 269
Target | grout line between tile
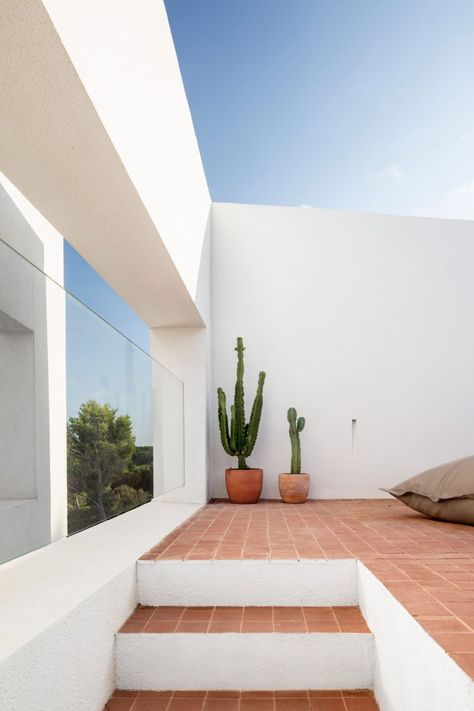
x: 210, y: 620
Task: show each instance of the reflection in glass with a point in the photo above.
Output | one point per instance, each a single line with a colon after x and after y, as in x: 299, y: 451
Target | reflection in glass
x: 110, y: 425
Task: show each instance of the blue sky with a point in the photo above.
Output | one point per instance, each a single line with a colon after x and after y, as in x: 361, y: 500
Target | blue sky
x: 360, y: 105
x: 81, y: 280
x: 101, y: 363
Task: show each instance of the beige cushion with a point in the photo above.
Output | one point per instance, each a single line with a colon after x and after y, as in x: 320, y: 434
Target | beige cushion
x: 445, y: 492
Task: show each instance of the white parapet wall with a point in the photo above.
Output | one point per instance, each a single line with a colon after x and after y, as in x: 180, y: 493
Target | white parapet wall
x: 363, y: 323
x: 62, y: 604
x: 247, y: 582
x: 412, y: 672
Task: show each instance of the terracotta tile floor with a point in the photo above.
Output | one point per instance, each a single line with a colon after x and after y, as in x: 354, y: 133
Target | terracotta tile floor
x: 242, y: 701
x: 427, y: 565
x: 246, y: 619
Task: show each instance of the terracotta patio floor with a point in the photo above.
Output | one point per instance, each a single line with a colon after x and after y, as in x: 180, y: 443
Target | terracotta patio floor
x: 427, y: 565
x: 245, y: 619
x: 242, y: 701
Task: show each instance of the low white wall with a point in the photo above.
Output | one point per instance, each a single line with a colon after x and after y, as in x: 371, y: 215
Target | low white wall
x: 61, y: 606
x: 351, y: 316
x: 412, y: 672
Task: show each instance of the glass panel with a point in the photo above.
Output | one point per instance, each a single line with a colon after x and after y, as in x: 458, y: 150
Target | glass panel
x: 125, y: 420
x: 169, y: 430
x: 110, y: 420
x: 90, y: 425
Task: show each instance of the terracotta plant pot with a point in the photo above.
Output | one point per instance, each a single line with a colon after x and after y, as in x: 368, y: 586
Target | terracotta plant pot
x: 294, y: 488
x: 244, y: 486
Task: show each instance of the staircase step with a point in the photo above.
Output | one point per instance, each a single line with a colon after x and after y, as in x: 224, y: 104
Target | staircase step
x: 244, y: 620
x: 232, y: 700
x: 247, y: 582
x: 245, y: 648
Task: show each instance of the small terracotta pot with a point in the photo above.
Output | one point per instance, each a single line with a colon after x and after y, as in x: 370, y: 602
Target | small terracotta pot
x: 244, y: 486
x: 294, y: 488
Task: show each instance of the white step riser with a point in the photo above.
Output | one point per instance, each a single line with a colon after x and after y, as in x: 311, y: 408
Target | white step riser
x: 251, y: 582
x: 244, y: 661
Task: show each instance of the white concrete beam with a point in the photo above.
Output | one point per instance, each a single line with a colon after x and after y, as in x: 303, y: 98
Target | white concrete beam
x: 124, y: 54
x: 55, y: 149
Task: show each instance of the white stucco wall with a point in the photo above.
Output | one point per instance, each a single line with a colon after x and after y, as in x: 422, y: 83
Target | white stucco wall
x: 183, y: 352
x: 244, y: 661
x: 25, y: 229
x: 352, y: 316
x: 226, y: 582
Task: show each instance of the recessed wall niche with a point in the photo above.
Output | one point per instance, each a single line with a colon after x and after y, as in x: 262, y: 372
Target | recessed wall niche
x: 17, y: 411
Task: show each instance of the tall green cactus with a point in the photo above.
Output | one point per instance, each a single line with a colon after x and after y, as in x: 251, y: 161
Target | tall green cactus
x: 296, y: 426
x: 239, y: 440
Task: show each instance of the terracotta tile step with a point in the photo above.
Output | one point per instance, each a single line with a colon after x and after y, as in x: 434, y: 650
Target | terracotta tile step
x: 331, y: 647
x: 330, y: 700
x: 244, y: 620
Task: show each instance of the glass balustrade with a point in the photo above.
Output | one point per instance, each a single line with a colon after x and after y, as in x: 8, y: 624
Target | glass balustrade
x: 90, y: 425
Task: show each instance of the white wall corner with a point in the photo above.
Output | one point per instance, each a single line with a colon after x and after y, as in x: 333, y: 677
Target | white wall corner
x: 183, y: 351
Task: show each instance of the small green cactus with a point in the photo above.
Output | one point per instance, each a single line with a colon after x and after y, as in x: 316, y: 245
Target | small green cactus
x: 296, y: 426
x: 240, y: 440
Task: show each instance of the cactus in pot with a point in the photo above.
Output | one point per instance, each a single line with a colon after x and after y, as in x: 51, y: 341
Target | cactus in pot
x: 294, y: 486
x: 238, y: 439
x: 296, y: 426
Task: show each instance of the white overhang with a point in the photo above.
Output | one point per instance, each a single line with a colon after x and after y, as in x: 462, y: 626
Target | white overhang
x: 55, y: 149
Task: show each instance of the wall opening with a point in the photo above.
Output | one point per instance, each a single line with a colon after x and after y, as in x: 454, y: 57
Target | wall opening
x: 17, y: 414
